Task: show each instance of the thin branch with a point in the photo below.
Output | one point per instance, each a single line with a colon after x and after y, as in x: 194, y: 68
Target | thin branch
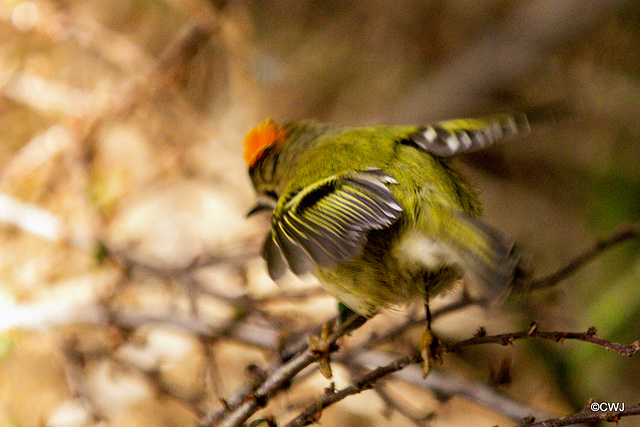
x: 73, y: 361
x: 240, y: 407
x: 251, y: 334
x: 75, y: 131
x: 533, y: 332
x: 465, y: 300
x: 584, y: 417
x: 173, y: 272
x: 172, y: 61
x: 162, y: 389
x: 629, y: 232
x: 29, y: 218
x: 392, y: 404
x: 279, y: 379
x: 442, y: 383
x: 313, y: 412
x: 251, y: 402
x: 437, y: 381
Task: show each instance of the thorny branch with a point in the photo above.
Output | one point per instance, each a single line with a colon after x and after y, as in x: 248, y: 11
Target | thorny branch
x: 367, y: 381
x: 306, y: 356
x: 444, y: 384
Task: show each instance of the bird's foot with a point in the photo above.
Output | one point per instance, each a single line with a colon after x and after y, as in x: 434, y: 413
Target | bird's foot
x: 430, y: 351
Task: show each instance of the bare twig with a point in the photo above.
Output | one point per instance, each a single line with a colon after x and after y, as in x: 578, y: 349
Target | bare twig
x: 464, y: 301
x: 437, y: 381
x: 631, y: 231
x: 173, y: 60
x: 533, y: 332
x: 74, y: 133
x: 443, y: 383
x: 254, y: 335
x: 304, y: 357
x: 168, y: 272
x: 278, y: 379
x: 73, y: 362
x: 162, y: 389
x: 584, y: 417
x: 313, y: 412
x: 392, y: 404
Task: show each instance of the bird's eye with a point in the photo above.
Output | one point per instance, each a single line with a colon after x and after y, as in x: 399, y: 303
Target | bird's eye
x: 271, y: 194
x: 267, y: 201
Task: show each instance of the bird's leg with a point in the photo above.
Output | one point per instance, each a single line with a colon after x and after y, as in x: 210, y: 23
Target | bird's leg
x: 430, y: 343
x: 322, y: 345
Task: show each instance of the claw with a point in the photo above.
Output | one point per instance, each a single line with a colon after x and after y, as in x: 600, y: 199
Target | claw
x: 319, y: 346
x: 430, y: 351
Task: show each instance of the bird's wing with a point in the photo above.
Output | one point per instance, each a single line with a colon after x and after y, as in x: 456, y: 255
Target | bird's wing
x: 327, y: 222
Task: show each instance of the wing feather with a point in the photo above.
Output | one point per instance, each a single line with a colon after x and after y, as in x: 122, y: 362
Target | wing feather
x: 327, y: 222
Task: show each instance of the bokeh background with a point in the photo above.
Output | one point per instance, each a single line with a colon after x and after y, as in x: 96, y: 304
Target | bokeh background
x: 131, y: 291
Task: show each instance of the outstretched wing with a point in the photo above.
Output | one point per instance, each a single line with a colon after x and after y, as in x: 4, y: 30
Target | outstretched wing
x: 451, y: 137
x: 327, y: 222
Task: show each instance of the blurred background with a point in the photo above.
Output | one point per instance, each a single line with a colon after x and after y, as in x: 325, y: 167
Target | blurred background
x: 131, y: 291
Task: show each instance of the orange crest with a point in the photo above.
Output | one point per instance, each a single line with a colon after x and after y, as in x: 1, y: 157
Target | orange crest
x: 263, y: 136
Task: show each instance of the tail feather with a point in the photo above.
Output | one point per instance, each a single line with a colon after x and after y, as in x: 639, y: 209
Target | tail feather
x: 451, y: 137
x: 490, y: 258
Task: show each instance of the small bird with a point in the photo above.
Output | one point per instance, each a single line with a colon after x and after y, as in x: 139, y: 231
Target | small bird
x: 379, y: 214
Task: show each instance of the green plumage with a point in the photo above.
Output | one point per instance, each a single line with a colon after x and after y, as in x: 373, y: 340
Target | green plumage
x: 378, y: 214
